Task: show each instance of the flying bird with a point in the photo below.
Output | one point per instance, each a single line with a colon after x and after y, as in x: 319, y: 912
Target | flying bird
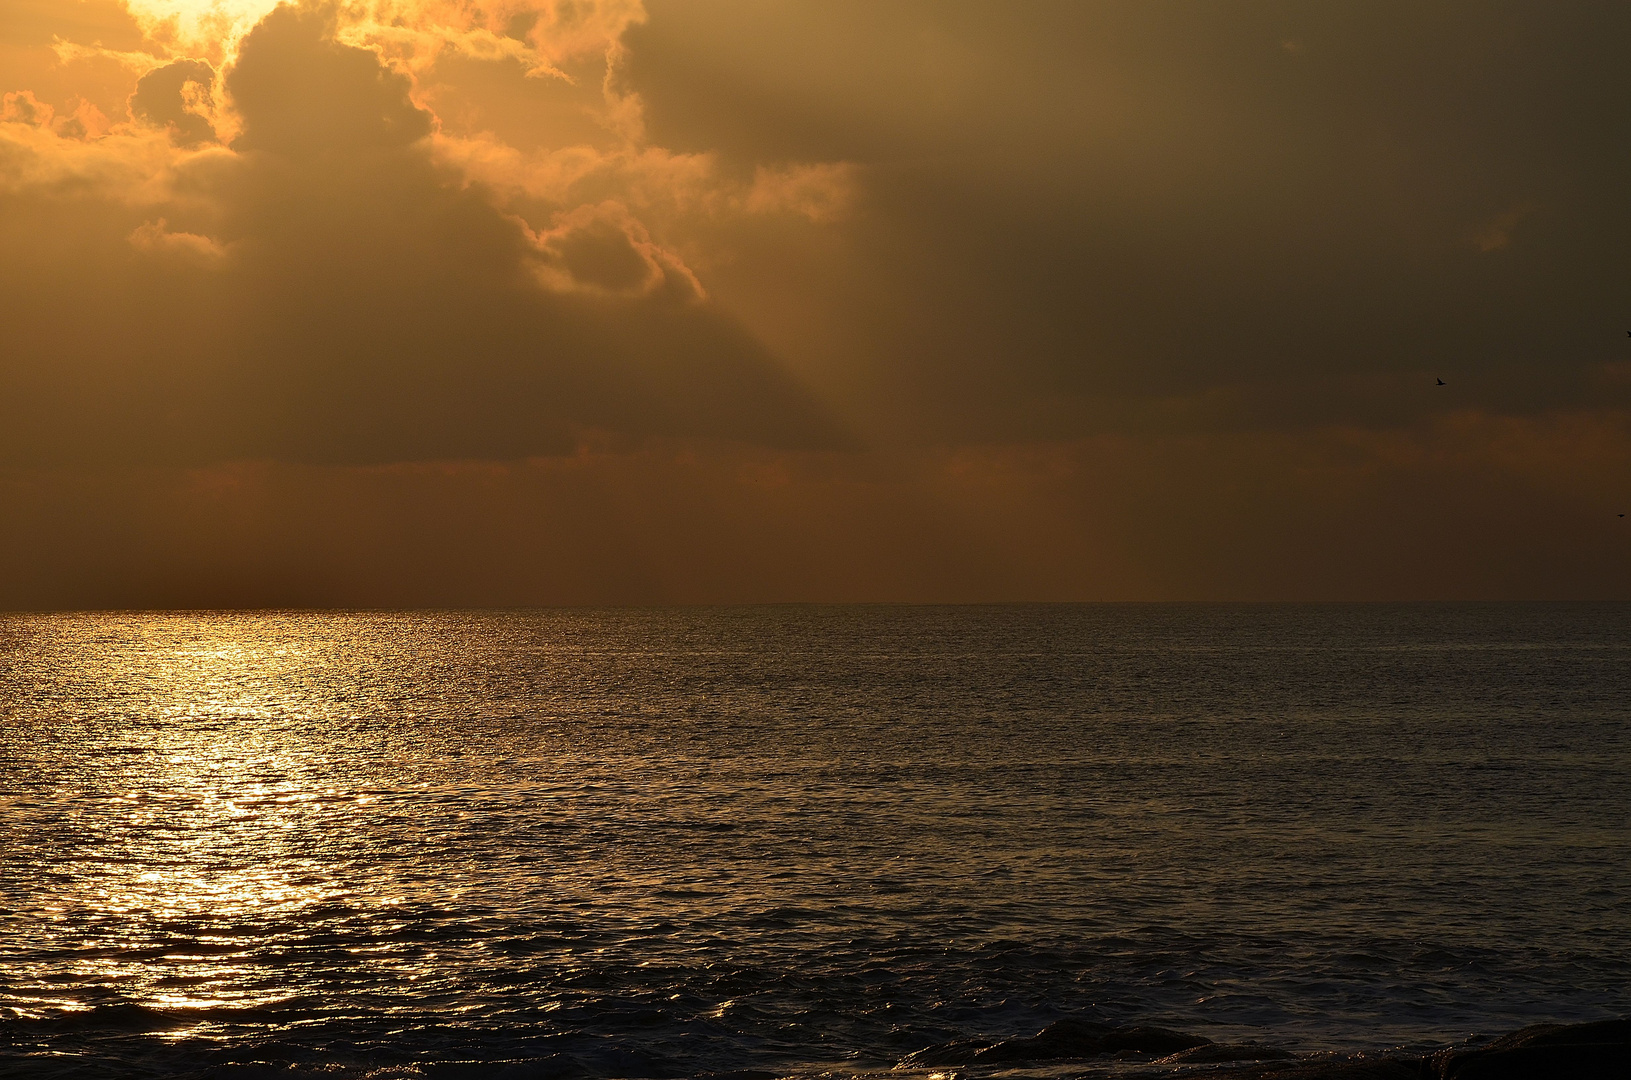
x: 1441, y: 382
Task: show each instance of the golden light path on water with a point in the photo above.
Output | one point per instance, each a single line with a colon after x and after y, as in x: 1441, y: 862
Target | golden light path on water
x: 207, y: 820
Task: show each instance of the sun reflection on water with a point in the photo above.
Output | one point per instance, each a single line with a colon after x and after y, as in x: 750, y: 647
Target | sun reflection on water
x: 204, y: 827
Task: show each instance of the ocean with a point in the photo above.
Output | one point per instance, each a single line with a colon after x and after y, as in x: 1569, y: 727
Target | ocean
x: 795, y: 841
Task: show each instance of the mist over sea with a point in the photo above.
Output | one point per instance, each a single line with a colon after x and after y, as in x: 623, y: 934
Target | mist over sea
x: 795, y: 840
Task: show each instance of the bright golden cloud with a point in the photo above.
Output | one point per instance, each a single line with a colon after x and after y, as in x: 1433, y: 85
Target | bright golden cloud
x: 597, y: 158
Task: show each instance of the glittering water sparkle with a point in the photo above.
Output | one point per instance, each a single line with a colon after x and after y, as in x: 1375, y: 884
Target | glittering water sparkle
x: 669, y: 843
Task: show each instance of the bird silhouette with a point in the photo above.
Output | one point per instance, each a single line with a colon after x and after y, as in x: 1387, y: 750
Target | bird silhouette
x: 1441, y: 382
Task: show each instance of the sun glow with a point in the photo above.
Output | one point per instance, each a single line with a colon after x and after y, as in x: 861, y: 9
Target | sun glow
x: 538, y: 33
x: 203, y: 29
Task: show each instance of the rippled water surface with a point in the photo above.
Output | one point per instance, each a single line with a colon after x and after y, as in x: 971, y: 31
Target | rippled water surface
x: 791, y: 840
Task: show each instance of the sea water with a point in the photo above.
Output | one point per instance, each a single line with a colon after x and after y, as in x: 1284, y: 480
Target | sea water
x: 796, y: 840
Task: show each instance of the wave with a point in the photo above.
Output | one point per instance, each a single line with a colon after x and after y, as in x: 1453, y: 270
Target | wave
x: 1592, y: 1051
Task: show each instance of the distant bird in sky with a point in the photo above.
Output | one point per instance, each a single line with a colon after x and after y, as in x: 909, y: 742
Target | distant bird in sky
x: 1441, y: 382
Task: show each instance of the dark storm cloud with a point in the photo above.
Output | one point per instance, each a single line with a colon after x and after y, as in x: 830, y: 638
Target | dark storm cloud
x: 324, y: 292
x: 1282, y: 213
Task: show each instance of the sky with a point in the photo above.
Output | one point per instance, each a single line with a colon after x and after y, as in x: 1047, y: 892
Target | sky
x: 397, y: 303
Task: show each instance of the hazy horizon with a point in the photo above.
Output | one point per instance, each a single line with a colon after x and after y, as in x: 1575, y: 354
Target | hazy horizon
x: 833, y: 605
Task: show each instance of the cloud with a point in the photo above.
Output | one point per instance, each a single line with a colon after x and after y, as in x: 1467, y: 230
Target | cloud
x: 178, y: 97
x: 1070, y: 205
x: 325, y: 289
x: 22, y: 107
x: 299, y: 92
x: 604, y: 250
x: 140, y: 62
x: 1496, y: 234
x: 934, y: 299
x: 156, y: 237
x: 822, y: 192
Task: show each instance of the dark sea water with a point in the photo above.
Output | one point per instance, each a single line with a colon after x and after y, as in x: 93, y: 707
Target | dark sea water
x: 799, y: 840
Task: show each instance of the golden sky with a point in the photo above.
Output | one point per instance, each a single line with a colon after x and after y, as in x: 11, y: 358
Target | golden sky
x: 438, y: 302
